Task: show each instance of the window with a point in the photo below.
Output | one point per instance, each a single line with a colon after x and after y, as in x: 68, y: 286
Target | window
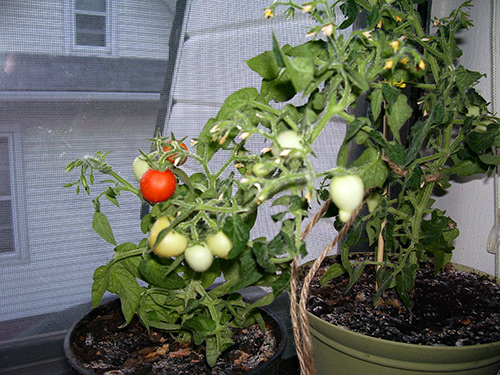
x: 6, y: 222
x: 91, y: 23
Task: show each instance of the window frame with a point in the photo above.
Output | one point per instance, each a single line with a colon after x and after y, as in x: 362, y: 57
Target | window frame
x: 94, y: 50
x: 17, y: 194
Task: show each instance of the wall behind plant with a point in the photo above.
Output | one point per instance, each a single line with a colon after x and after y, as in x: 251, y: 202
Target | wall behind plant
x: 471, y: 204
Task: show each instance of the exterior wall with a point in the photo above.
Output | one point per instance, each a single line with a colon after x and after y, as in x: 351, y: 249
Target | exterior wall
x: 44, y: 27
x: 62, y: 250
x: 472, y: 204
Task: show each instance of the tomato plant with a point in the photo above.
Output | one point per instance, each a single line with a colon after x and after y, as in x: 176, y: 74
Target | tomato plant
x: 158, y: 186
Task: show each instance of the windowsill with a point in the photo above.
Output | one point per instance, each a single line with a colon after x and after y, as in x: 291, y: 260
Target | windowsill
x: 37, y: 348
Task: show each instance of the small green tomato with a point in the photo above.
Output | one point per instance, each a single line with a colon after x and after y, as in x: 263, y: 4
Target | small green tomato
x: 347, y: 192
x: 139, y: 166
x: 262, y: 169
x: 173, y: 244
x: 373, y: 201
x: 199, y: 257
x: 287, y: 140
x: 219, y: 244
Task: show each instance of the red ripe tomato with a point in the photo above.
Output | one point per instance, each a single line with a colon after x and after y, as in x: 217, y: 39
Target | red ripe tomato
x: 172, y: 157
x: 157, y: 186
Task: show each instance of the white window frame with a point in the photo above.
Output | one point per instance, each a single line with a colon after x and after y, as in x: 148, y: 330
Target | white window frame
x: 93, y: 50
x: 17, y: 193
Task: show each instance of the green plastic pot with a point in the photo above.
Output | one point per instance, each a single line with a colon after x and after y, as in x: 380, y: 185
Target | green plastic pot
x: 340, y: 351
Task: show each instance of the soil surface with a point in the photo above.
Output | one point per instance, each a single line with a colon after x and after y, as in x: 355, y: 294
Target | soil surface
x: 455, y: 308
x: 105, y: 348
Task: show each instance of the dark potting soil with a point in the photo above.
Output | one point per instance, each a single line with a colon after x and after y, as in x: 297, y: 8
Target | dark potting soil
x: 454, y: 308
x: 106, y: 348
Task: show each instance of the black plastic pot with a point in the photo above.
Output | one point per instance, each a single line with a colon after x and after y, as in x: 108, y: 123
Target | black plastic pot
x: 270, y: 367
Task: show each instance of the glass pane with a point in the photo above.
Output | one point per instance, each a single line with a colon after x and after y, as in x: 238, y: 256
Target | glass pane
x: 91, y: 5
x: 85, y: 22
x: 4, y: 167
x: 87, y: 39
x: 6, y: 232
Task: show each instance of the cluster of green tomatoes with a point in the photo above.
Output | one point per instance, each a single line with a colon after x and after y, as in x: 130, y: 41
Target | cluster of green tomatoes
x: 158, y: 186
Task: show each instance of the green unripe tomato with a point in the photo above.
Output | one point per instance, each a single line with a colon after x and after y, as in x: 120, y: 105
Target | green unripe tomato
x: 219, y: 244
x: 347, y: 192
x: 199, y: 257
x: 344, y: 215
x: 287, y: 140
x: 173, y: 244
x: 139, y: 166
x: 263, y: 169
x: 373, y: 201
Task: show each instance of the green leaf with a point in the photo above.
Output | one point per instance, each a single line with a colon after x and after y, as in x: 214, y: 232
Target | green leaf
x: 398, y: 114
x: 480, y: 142
x: 350, y: 10
x: 301, y: 71
x: 124, y: 285
x: 466, y: 78
x: 467, y: 168
x: 405, y: 281
x: 265, y: 65
x: 238, y: 232
x: 490, y: 159
x: 101, y: 226
x: 376, y: 100
x: 155, y: 273
x: 334, y: 271
x: 262, y: 256
x: 280, y: 89
x: 371, y: 168
x: 100, y: 285
x: 249, y: 272
x: 358, y: 80
x: 418, y: 134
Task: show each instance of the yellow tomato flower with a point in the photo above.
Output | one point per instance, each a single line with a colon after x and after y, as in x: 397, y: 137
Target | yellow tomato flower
x: 395, y: 45
x: 421, y: 64
x: 389, y: 64
x: 306, y: 8
x: 398, y: 19
x: 327, y: 30
x: 401, y: 84
x: 268, y: 13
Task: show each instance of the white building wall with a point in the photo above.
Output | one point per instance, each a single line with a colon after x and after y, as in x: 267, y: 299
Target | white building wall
x: 62, y: 249
x: 138, y: 28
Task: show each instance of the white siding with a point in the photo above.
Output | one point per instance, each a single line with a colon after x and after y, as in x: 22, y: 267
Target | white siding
x: 25, y: 19
x: 140, y: 28
x: 63, y: 249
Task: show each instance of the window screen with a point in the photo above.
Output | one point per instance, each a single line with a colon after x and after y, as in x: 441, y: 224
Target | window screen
x: 65, y: 103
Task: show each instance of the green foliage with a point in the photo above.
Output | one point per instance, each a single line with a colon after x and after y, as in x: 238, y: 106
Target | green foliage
x: 411, y: 84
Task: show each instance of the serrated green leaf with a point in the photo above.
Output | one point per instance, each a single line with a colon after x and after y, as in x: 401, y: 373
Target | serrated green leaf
x: 101, y: 226
x: 265, y: 65
x: 239, y: 233
x: 397, y: 115
x: 334, y: 271
x: 376, y: 100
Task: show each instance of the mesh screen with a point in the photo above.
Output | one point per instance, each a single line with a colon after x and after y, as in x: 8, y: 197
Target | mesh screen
x: 61, y: 101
